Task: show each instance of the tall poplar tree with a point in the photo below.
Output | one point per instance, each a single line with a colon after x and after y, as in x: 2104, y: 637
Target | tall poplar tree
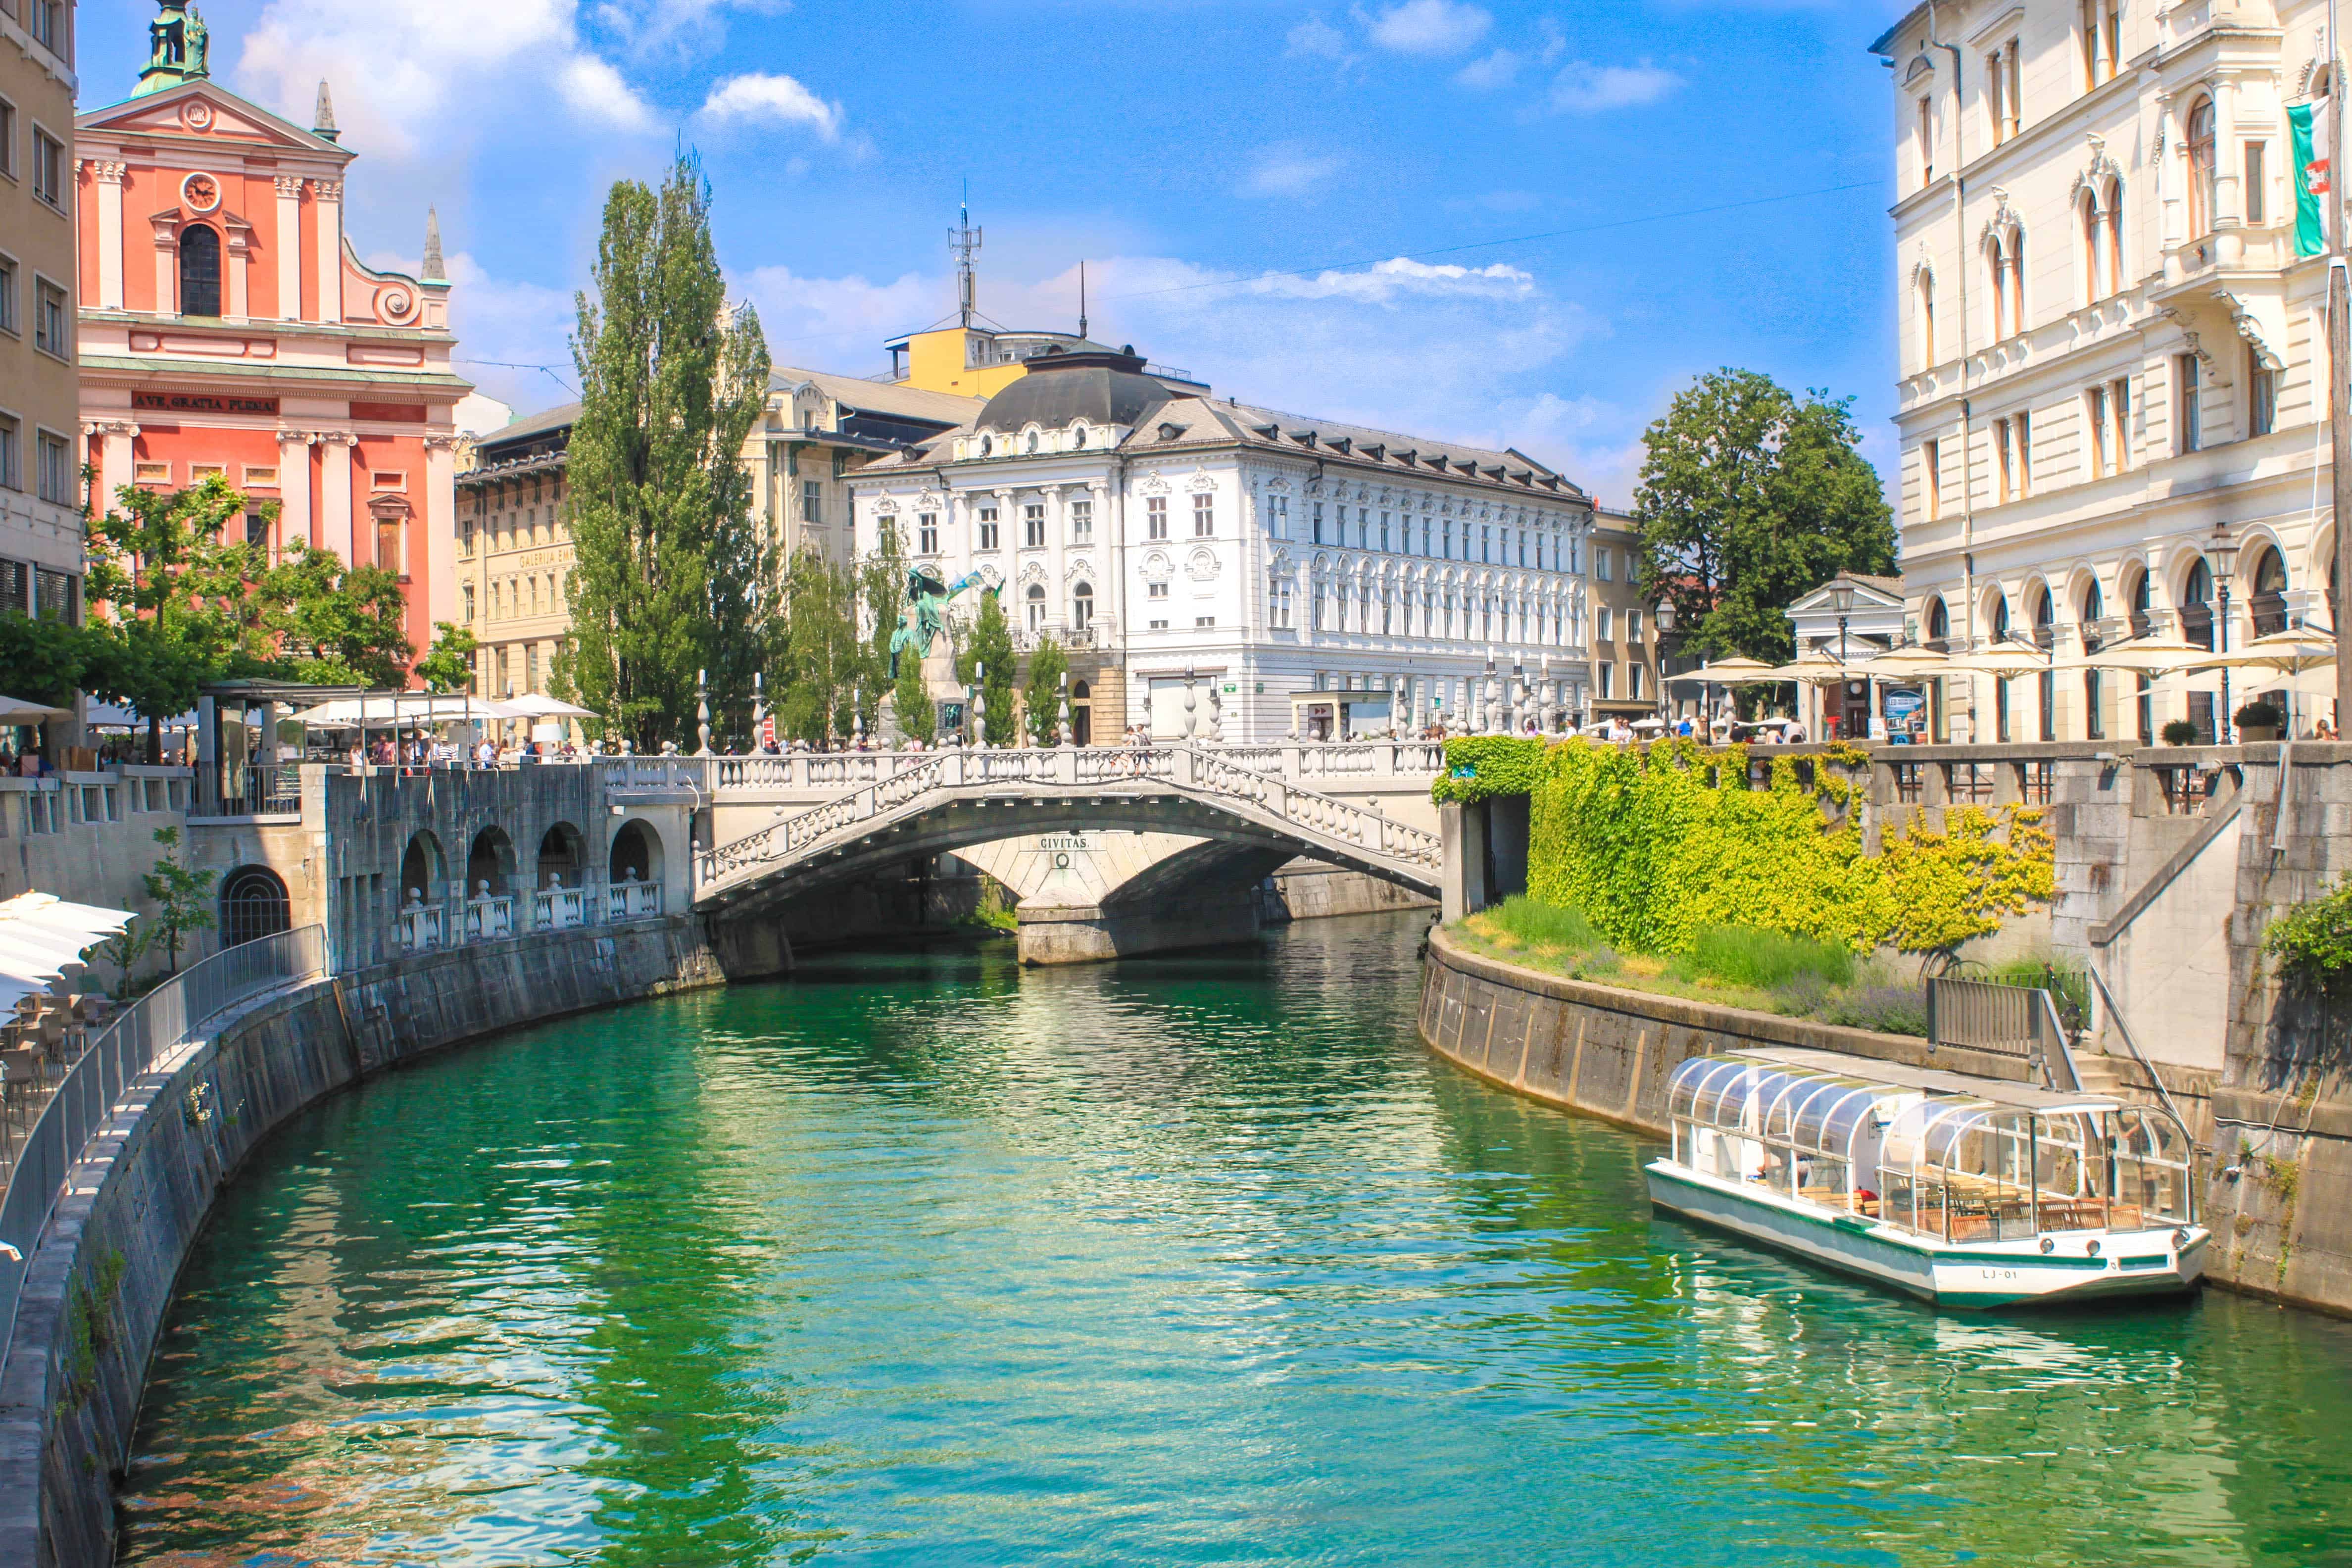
x: 988, y: 662
x: 671, y: 569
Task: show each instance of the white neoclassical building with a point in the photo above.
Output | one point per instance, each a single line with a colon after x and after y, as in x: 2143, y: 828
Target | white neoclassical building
x: 1214, y: 564
x: 2107, y: 407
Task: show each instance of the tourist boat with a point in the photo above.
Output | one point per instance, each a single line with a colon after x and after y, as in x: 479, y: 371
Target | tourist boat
x: 1961, y: 1191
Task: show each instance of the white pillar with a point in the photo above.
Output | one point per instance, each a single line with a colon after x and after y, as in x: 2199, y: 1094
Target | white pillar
x: 115, y: 458
x: 330, y: 195
x: 240, y: 256
x: 440, y: 527
x: 287, y: 243
x: 294, y: 486
x: 335, y: 505
x: 109, y: 234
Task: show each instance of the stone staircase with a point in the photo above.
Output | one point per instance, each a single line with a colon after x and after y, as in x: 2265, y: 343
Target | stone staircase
x: 2101, y: 1074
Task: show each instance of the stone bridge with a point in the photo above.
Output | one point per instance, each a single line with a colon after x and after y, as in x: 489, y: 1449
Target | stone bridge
x: 1109, y: 850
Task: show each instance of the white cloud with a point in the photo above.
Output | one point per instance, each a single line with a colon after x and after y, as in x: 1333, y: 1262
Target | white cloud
x: 595, y: 92
x: 1287, y: 169
x: 1316, y: 38
x: 1427, y: 26
x: 1584, y: 87
x: 1498, y: 70
x: 675, y: 28
x: 838, y: 323
x: 406, y: 73
x: 775, y: 99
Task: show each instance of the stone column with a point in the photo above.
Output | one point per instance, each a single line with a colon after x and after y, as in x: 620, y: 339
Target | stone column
x: 2229, y: 202
x: 335, y: 499
x: 440, y: 569
x: 167, y: 260
x: 294, y: 486
x: 1057, y: 576
x: 288, y: 242
x: 110, y: 234
x: 329, y: 195
x: 116, y: 460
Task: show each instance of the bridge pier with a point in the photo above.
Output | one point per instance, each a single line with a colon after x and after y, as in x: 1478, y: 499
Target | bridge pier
x: 1096, y: 933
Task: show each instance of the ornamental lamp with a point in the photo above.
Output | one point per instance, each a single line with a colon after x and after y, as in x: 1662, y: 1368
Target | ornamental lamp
x: 1665, y: 615
x: 2224, y: 549
x: 1841, y: 597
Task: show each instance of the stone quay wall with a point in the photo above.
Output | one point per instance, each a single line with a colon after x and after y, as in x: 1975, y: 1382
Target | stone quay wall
x: 100, y: 1282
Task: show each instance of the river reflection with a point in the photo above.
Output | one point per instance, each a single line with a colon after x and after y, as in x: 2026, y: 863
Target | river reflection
x: 919, y: 1258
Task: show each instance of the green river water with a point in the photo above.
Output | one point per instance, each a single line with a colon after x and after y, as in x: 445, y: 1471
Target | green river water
x: 918, y: 1258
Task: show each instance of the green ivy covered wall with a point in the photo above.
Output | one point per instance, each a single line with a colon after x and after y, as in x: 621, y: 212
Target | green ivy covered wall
x: 1658, y: 843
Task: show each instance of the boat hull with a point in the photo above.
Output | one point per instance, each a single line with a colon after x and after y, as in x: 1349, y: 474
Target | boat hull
x: 1964, y: 1275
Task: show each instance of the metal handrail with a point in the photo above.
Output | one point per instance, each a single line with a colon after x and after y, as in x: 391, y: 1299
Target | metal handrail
x: 85, y: 1099
x: 2108, y: 999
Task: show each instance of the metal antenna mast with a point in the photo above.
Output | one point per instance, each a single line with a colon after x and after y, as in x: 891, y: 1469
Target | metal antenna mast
x: 964, y: 240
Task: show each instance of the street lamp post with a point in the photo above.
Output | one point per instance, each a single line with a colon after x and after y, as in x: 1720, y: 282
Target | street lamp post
x: 1841, y: 597
x: 2225, y: 552
x: 1664, y: 616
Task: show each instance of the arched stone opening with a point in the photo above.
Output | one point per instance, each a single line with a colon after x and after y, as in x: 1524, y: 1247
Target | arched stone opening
x: 423, y: 870
x: 253, y: 904
x: 490, y: 860
x: 636, y: 854
x: 562, y: 857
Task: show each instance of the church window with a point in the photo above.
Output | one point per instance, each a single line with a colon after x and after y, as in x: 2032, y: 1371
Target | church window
x: 387, y: 543
x: 200, y: 271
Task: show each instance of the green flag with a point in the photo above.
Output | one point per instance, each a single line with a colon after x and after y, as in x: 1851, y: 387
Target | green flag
x: 2308, y: 124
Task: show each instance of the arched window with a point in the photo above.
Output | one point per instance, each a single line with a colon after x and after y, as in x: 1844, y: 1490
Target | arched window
x: 200, y: 271
x: 2045, y: 635
x: 2197, y: 605
x: 1082, y: 605
x: 1033, y: 602
x: 253, y: 905
x: 2200, y: 151
x: 2115, y: 246
x: 1940, y: 622
x: 2017, y: 281
x: 1927, y: 319
x: 2093, y: 608
x: 2094, y: 237
x: 2269, y: 603
x: 2000, y: 622
x: 1996, y: 261
x: 2142, y: 601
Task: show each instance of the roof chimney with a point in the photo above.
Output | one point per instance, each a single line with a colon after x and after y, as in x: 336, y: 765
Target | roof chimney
x: 322, y: 124
x: 433, y: 269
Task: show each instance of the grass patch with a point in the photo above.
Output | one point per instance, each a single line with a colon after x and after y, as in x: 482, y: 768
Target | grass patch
x: 1766, y: 960
x: 1764, y: 972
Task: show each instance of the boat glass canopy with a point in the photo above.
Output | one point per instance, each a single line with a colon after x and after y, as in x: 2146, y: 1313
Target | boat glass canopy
x: 1960, y: 1159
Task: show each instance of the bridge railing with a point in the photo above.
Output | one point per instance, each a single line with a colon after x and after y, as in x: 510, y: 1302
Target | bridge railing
x: 797, y: 771
x: 1211, y: 772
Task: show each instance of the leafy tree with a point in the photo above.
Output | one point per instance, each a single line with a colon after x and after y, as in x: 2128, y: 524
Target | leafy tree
x: 882, y: 599
x: 824, y: 657
x: 1751, y: 497
x: 182, y: 897
x: 449, y: 665
x: 1043, y: 695
x: 988, y: 662
x: 912, y: 700
x: 670, y: 567
x: 334, y: 625
x: 175, y: 572
x: 45, y: 660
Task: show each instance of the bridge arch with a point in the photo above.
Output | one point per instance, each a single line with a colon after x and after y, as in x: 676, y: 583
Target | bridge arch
x: 424, y: 870
x: 563, y: 858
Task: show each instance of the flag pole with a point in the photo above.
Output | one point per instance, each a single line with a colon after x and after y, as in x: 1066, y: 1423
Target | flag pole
x: 2339, y: 361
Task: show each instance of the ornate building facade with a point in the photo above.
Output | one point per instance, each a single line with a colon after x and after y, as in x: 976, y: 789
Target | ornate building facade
x: 41, y: 490
x: 1216, y: 565
x: 228, y: 327
x: 2110, y: 418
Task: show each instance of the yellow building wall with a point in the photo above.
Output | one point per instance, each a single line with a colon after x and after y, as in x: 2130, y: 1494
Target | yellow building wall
x: 935, y: 363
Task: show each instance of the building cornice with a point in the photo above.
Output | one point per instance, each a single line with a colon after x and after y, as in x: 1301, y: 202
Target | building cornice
x: 55, y: 69
x: 134, y: 370
x: 272, y: 326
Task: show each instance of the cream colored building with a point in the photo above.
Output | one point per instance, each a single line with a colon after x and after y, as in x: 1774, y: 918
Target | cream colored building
x: 1624, y: 626
x: 2106, y: 408
x: 40, y: 416
x: 514, y: 533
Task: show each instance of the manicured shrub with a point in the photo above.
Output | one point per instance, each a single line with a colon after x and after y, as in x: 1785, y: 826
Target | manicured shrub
x: 2178, y: 732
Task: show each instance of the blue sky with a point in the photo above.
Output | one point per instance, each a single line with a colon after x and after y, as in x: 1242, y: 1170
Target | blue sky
x: 1292, y: 201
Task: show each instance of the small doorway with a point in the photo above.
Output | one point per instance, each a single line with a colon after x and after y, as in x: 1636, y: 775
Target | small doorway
x: 1082, y: 713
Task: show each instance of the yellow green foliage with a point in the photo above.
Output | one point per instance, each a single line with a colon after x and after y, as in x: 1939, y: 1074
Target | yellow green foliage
x: 1656, y: 844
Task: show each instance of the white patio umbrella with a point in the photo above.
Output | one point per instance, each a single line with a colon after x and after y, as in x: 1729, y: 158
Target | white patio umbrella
x: 1909, y: 664
x: 2287, y: 653
x: 16, y: 710
x: 1728, y: 672
x: 539, y: 705
x: 403, y: 708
